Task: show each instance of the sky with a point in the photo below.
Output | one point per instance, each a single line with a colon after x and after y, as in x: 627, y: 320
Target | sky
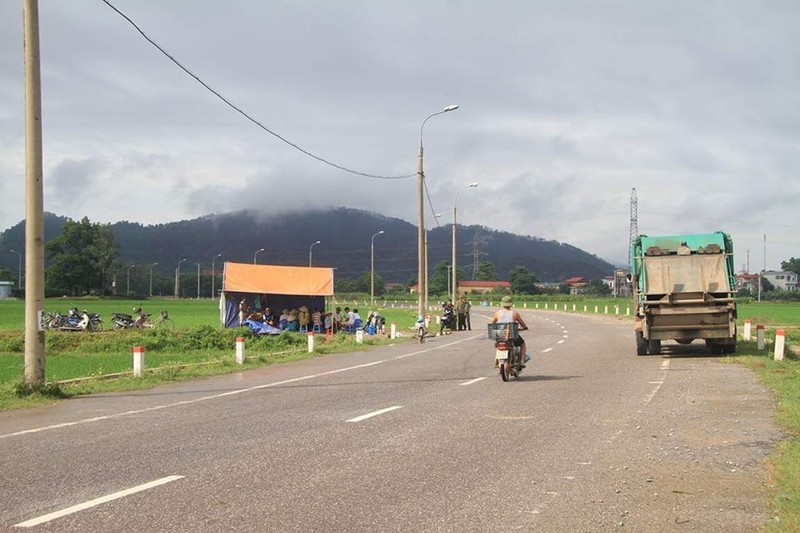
x: 564, y: 108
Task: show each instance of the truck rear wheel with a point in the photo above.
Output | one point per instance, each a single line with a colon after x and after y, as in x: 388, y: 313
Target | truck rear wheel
x: 654, y: 346
x: 641, y: 344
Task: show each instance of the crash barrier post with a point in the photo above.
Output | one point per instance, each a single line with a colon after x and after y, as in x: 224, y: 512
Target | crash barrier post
x: 138, y: 361
x: 359, y: 336
x: 627, y: 311
x: 240, y: 350
x: 616, y: 309
x: 595, y: 309
x: 310, y: 341
x: 584, y: 308
x: 760, y: 336
x: 525, y: 305
x: 780, y: 342
x: 747, y: 325
x: 573, y: 307
x: 565, y: 307
x: 537, y: 305
x: 393, y: 331
x: 605, y: 310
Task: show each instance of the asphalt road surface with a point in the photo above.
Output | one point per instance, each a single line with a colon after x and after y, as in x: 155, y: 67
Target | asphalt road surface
x: 410, y: 437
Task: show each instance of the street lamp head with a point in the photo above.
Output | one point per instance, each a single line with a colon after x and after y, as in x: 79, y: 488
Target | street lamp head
x: 260, y: 250
x: 380, y: 232
x: 317, y: 242
x: 452, y: 107
x: 473, y: 184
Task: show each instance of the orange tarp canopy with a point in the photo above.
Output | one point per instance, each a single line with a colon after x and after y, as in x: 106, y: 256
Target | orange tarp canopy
x: 274, y: 279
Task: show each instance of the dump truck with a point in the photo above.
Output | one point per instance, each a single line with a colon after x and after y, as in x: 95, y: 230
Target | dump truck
x: 684, y: 288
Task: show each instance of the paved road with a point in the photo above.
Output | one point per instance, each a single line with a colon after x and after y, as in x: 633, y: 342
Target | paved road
x: 409, y: 438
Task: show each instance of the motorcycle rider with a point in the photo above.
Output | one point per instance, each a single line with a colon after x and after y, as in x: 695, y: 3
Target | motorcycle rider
x: 505, y: 315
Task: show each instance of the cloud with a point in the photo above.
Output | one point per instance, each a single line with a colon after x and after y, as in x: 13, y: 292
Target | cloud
x: 565, y: 106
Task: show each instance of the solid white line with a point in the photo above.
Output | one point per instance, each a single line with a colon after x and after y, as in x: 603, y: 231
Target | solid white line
x: 547, y: 350
x: 374, y: 413
x: 470, y: 382
x: 97, y: 501
x: 560, y: 342
x: 566, y: 336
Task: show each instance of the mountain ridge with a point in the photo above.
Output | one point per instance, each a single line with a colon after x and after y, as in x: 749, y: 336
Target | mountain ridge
x: 345, y: 236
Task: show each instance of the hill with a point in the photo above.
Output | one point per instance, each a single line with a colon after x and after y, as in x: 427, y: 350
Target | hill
x: 345, y: 236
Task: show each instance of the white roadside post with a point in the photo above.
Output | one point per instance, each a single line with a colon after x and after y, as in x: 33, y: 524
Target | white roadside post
x: 310, y: 342
x: 760, y: 336
x: 359, y: 336
x: 138, y: 361
x: 748, y: 324
x: 780, y: 342
x: 240, y: 350
x: 393, y: 331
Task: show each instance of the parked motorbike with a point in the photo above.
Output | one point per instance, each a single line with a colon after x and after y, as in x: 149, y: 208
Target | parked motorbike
x: 125, y: 321
x: 420, y: 327
x: 508, y: 357
x: 80, y: 321
x: 448, y: 324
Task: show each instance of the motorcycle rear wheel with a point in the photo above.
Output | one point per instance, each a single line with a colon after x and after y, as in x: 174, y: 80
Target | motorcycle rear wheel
x: 95, y: 326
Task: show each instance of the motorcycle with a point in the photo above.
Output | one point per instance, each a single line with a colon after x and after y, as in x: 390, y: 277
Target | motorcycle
x: 448, y: 324
x: 81, y: 321
x: 420, y: 326
x: 508, y: 357
x: 125, y: 321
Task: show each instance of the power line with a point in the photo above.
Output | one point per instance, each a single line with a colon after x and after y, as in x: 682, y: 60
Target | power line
x: 242, y: 112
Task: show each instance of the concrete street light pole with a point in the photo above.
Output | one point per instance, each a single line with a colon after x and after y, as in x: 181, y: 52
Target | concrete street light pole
x: 128, y: 285
x: 421, y: 266
x: 198, y: 280
x: 309, y: 251
x: 436, y: 217
x: 255, y: 255
x: 213, y: 275
x: 34, y: 198
x: 178, y: 278
x: 151, y: 278
x: 19, y: 270
x: 453, y: 280
x: 372, y: 268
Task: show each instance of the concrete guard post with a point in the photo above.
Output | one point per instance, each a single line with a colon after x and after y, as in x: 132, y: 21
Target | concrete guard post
x: 138, y: 361
x: 240, y: 350
x: 393, y: 331
x: 605, y: 310
x: 780, y: 342
x: 760, y: 336
x: 310, y: 341
x: 748, y: 324
x: 359, y: 336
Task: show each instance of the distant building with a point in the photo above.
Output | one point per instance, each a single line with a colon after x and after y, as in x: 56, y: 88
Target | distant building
x: 5, y: 289
x: 482, y: 287
x: 747, y: 281
x: 781, y: 279
x: 577, y: 284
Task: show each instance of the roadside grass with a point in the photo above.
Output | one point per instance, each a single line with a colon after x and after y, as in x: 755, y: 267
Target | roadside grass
x: 783, y: 378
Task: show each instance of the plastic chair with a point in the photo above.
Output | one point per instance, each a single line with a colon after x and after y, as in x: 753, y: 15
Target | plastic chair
x: 317, y: 328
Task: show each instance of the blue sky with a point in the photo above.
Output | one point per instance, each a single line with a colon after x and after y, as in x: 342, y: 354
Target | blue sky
x: 564, y: 108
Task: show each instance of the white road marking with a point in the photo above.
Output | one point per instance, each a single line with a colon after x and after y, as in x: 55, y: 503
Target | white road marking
x: 97, y: 501
x: 566, y: 336
x: 374, y: 413
x: 547, y: 350
x: 229, y: 393
x: 560, y: 342
x: 649, y: 397
x: 470, y: 382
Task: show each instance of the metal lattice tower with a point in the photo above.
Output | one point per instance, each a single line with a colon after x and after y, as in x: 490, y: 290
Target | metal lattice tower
x: 634, y: 223
x: 477, y: 252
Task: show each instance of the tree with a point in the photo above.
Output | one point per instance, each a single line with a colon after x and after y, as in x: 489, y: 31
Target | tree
x: 438, y: 281
x: 82, y: 259
x: 597, y: 287
x: 523, y: 281
x: 766, y: 285
x: 486, y: 272
x: 792, y: 265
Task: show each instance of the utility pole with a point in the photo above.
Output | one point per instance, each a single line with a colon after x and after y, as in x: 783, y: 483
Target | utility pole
x: 634, y: 232
x: 34, y: 198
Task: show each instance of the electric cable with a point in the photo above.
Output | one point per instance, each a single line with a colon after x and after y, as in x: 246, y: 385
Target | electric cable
x: 243, y: 113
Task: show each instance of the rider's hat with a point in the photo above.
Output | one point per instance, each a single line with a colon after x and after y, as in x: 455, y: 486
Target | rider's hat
x: 506, y: 301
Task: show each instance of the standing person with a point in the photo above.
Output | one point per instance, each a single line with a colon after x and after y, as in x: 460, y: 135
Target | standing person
x: 461, y: 311
x: 337, y: 319
x: 467, y: 308
x: 243, y: 311
x: 506, y: 315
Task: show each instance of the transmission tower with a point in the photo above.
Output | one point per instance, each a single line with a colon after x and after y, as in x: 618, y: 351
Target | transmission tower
x: 634, y: 223
x: 477, y: 252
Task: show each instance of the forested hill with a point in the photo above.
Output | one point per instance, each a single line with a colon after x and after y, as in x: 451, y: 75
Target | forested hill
x: 345, y: 236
